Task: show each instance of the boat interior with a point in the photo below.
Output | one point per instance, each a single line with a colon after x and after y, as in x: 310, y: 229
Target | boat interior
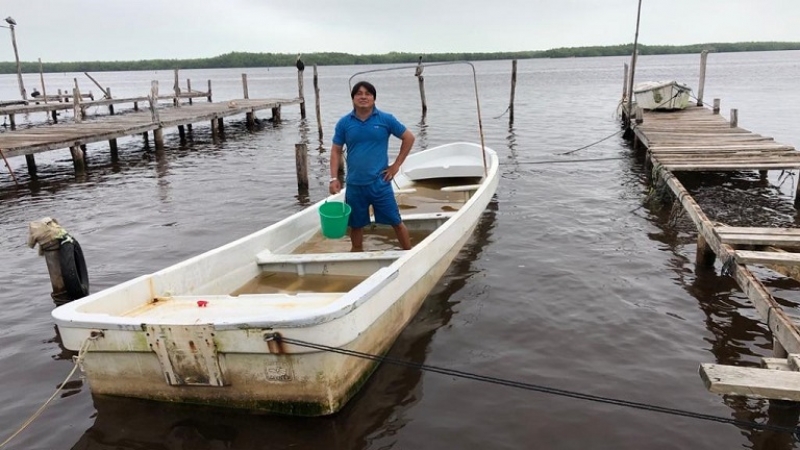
x: 327, y: 265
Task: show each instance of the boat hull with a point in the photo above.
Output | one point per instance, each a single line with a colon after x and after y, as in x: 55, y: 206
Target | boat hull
x: 234, y: 363
x: 665, y: 96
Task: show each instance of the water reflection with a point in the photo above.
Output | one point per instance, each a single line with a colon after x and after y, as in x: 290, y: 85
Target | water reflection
x: 376, y: 413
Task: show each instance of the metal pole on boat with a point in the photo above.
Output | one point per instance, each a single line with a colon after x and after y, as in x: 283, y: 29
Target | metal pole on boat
x: 633, y: 61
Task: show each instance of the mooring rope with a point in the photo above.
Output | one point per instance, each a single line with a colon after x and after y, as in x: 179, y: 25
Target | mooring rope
x: 537, y: 388
x: 77, y: 362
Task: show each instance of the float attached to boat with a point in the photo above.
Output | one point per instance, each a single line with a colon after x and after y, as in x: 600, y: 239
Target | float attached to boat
x: 222, y: 328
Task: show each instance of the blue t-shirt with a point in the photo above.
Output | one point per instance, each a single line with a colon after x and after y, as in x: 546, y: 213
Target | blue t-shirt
x: 367, y: 144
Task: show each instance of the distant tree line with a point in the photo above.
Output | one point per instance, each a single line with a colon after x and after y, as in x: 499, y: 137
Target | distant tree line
x: 244, y: 59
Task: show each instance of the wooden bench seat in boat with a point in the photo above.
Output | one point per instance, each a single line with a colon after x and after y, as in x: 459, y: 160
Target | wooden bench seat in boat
x: 345, y: 263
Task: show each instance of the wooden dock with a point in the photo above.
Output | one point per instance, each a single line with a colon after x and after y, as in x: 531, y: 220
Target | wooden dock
x: 699, y: 139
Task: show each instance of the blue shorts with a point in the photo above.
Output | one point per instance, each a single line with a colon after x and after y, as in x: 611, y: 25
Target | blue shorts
x: 380, y: 195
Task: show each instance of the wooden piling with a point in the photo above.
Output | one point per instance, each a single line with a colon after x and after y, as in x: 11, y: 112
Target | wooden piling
x: 301, y: 166
x: 301, y: 94
x: 220, y: 125
x: 317, y: 103
x: 30, y: 161
x: 189, y: 89
x: 177, y: 89
x: 110, y: 105
x: 639, y: 114
x: 209, y: 91
x: 513, y: 90
x: 421, y: 80
x: 716, y: 106
x: 182, y: 133
x: 11, y: 121
x: 158, y: 133
x: 702, y: 84
x: 78, y: 161
x: 705, y: 253
x: 76, y: 105
x: 158, y: 137
x: 41, y: 80
x: 245, y: 91
x: 52, y: 259
x: 625, y: 82
x: 112, y: 144
x: 734, y: 118
x: 146, y: 138
x: 276, y: 115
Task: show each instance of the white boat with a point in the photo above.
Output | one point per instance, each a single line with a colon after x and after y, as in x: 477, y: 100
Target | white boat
x: 230, y: 327
x: 662, y: 95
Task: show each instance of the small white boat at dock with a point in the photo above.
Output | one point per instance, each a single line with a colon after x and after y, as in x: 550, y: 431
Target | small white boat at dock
x: 222, y: 328
x: 662, y: 95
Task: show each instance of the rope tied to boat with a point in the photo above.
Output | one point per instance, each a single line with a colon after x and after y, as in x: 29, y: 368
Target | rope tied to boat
x: 77, y: 361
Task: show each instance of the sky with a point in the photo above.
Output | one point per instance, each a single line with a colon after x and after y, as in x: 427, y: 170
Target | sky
x: 98, y: 30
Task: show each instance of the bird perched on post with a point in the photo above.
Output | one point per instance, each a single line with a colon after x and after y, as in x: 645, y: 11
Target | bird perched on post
x: 299, y: 64
x: 10, y: 21
x: 418, y: 72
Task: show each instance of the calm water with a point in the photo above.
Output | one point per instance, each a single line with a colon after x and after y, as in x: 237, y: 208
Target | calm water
x: 571, y: 280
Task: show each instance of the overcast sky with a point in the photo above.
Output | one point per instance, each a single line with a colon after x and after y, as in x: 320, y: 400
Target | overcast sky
x: 91, y: 30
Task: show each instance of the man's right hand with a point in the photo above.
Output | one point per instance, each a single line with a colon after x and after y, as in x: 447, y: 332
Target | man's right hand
x: 335, y: 187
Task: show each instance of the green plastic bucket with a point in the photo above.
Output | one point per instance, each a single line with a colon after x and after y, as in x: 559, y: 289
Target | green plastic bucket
x: 333, y: 218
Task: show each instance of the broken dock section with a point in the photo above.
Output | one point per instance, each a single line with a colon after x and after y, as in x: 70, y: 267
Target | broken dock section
x: 699, y: 139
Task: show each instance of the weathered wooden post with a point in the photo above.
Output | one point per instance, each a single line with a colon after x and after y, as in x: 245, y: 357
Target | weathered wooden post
x: 41, y: 80
x: 158, y: 133
x: 734, y: 118
x: 76, y: 105
x: 78, y: 161
x: 30, y: 162
x: 301, y: 166
x: 421, y: 80
x: 209, y: 91
x: 703, y: 59
x: 716, y: 106
x: 276, y: 115
x: 513, y: 89
x: 189, y: 89
x: 625, y: 83
x: 317, y: 103
x: 705, y: 254
x: 66, y: 265
x: 639, y: 114
x: 300, y: 70
x: 12, y: 122
x: 250, y: 116
x: 8, y: 166
x: 110, y: 105
x: 22, y: 91
x: 177, y: 88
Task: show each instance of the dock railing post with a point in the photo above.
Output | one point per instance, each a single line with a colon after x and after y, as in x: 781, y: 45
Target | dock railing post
x: 703, y: 59
x: 734, y: 118
x: 513, y: 90
x: 317, y: 102
x: 301, y: 165
x: 716, y: 106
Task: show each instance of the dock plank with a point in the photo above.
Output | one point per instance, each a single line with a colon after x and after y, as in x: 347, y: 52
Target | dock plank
x: 751, y: 382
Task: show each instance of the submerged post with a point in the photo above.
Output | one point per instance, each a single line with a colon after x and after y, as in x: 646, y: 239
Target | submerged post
x: 301, y: 166
x: 316, y: 102
x: 421, y: 79
x: 64, y: 258
x: 513, y: 90
x: 701, y: 87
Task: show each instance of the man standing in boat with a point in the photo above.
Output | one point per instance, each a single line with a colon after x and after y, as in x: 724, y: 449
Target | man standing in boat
x: 365, y: 132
